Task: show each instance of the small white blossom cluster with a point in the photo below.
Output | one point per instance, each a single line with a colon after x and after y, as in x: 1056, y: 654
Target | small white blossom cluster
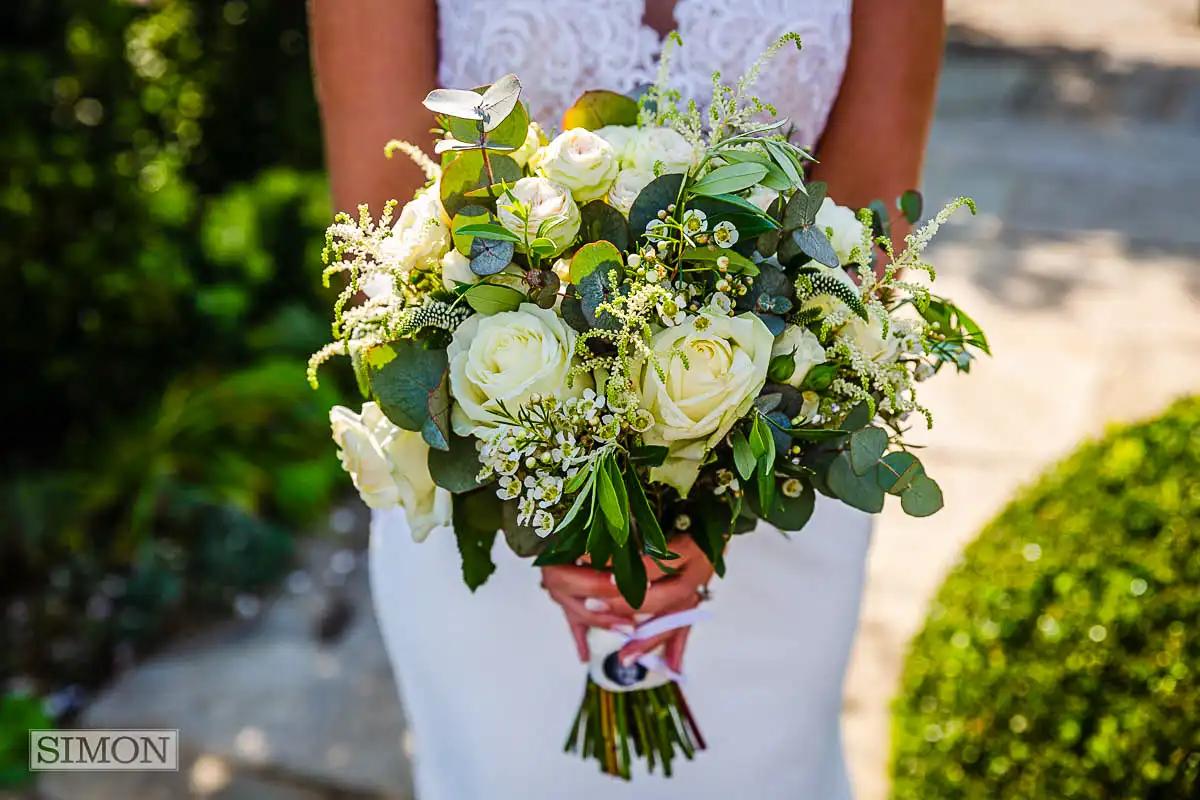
x: 535, y: 452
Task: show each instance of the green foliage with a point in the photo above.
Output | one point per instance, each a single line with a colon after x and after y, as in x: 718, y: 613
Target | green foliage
x: 1060, y: 658
x: 162, y: 197
x: 19, y: 714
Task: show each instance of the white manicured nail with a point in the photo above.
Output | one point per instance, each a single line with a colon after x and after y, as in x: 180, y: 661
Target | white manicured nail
x: 640, y: 618
x: 595, y: 604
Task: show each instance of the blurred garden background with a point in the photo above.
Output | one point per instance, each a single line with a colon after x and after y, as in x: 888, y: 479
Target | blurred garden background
x: 177, y: 548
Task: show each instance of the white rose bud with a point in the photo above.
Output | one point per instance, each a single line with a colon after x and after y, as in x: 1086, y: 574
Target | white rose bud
x: 533, y: 140
x: 552, y: 212
x: 509, y: 357
x: 620, y: 137
x: 665, y: 145
x: 808, y: 351
x: 627, y: 187
x: 426, y: 505
x: 844, y: 230
x: 420, y: 237
x: 696, y: 405
x: 456, y: 268
x: 581, y: 161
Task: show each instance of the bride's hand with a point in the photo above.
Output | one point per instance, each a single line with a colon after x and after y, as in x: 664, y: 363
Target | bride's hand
x: 589, y: 598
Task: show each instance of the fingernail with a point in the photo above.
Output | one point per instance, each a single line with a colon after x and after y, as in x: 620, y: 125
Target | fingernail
x: 628, y: 661
x: 640, y: 618
x: 595, y: 604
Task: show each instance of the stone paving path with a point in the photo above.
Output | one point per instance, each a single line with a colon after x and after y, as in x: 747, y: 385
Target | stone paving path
x: 1083, y: 266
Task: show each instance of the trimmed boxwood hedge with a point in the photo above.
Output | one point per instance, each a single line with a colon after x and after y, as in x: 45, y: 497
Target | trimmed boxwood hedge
x: 1061, y: 658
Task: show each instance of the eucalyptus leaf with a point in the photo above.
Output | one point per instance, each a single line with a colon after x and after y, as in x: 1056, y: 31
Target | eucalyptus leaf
x: 658, y: 194
x: 597, y: 108
x: 600, y: 222
x: 595, y: 290
x: 459, y: 103
x: 867, y: 446
x: 911, y: 204
x: 814, y: 243
x: 793, y: 513
x: 922, y: 498
x: 468, y: 172
x: 436, y: 430
x: 469, y: 215
x: 861, y: 493
x: 775, y: 323
x: 601, y: 255
x: 768, y: 402
x: 896, y: 471
x: 403, y: 385
x: 490, y: 298
x: 456, y: 468
x: 801, y: 210
x: 573, y: 314
x: 489, y: 256
x: 729, y: 178
x: 881, y: 223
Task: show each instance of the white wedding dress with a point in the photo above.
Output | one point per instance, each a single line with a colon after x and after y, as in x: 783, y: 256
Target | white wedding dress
x: 490, y: 681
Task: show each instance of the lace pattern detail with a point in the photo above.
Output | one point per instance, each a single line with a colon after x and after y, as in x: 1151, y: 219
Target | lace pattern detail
x: 561, y: 48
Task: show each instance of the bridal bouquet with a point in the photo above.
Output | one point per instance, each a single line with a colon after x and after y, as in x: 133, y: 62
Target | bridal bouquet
x: 644, y: 327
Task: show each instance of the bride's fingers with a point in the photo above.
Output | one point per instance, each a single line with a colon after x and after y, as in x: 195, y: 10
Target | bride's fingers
x: 676, y: 645
x: 669, y: 594
x: 579, y: 633
x: 638, y: 648
x: 580, y: 582
x: 578, y: 612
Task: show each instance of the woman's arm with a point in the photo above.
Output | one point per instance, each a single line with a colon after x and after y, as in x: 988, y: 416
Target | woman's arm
x: 375, y: 60
x: 874, y: 143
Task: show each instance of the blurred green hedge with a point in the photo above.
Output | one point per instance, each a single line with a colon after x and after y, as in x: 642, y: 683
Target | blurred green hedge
x: 1062, y: 657
x: 160, y: 224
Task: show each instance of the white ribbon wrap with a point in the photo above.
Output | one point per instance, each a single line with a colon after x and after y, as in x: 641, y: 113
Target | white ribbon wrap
x: 604, y: 644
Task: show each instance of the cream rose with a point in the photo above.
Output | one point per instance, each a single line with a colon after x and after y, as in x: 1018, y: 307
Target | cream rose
x: 627, y: 187
x: 844, y: 230
x: 552, y: 212
x: 869, y: 339
x: 533, y: 140
x: 456, y: 268
x: 420, y: 237
x: 695, y: 406
x: 620, y: 137
x: 581, y: 161
x: 508, y: 357
x: 804, y: 347
x: 389, y: 466
x: 666, y: 145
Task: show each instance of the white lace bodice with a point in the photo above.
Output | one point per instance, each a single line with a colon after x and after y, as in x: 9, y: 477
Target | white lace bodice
x: 561, y: 48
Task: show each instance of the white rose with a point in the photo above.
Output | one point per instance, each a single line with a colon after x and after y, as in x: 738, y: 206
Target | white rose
x: 552, y: 212
x: 844, y: 229
x: 620, y: 137
x: 868, y: 337
x: 533, y: 141
x: 696, y: 406
x: 420, y: 237
x: 456, y: 268
x: 425, y: 504
x: 807, y: 348
x: 627, y: 187
x: 362, y: 455
x: 508, y: 357
x: 581, y: 161
x: 665, y: 145
x: 762, y: 196
x: 389, y: 466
